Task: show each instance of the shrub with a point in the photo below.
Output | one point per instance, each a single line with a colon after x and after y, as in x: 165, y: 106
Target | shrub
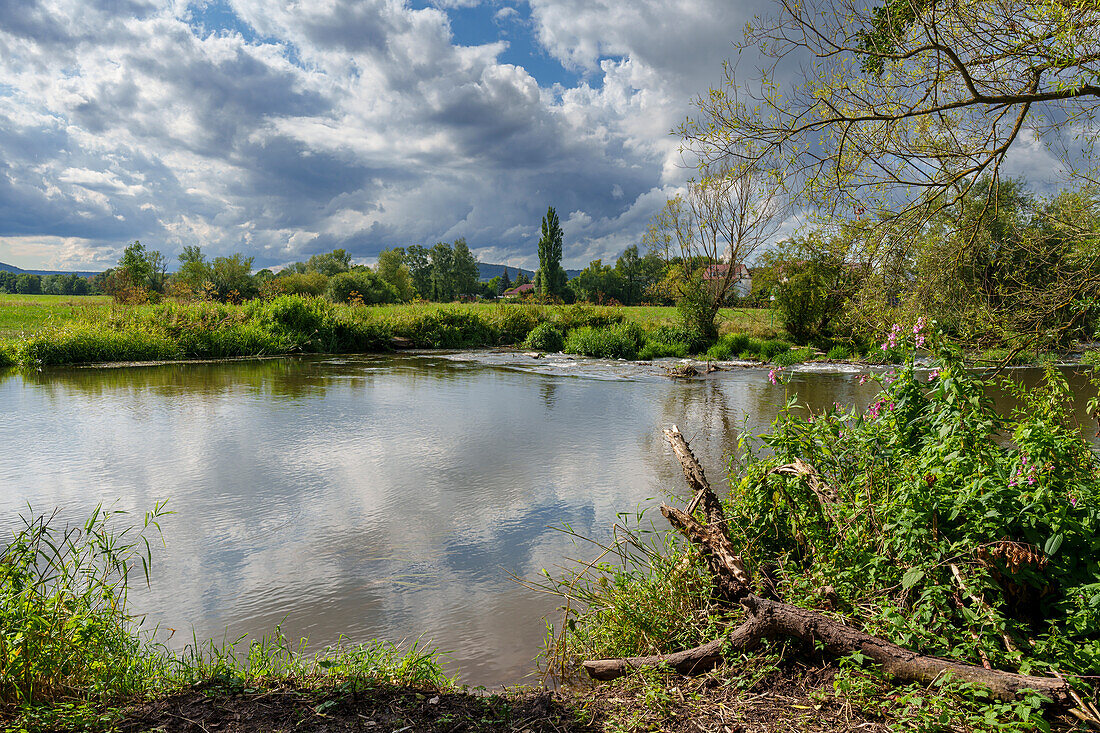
x: 444, y: 328
x: 83, y: 343
x: 362, y: 285
x: 301, y: 283
x: 729, y: 345
x: 619, y: 341
x: 512, y: 322
x: 937, y: 535
x: 793, y: 356
x: 838, y: 353
x: 768, y: 349
x: 544, y: 337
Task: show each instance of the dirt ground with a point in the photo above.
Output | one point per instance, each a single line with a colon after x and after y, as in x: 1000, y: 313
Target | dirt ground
x: 784, y: 703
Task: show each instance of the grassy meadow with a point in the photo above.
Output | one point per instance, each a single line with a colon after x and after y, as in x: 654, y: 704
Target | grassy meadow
x: 26, y: 314
x: 40, y: 331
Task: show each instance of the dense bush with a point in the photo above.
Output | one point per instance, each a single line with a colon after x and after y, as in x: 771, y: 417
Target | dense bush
x: 793, y: 356
x: 729, y: 346
x: 667, y: 341
x: 361, y: 285
x: 301, y: 283
x: 444, y: 328
x: 82, y: 343
x: 618, y: 341
x: 939, y: 535
x: 544, y: 337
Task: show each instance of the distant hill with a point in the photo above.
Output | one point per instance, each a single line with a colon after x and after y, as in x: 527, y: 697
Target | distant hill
x: 20, y: 271
x: 486, y: 272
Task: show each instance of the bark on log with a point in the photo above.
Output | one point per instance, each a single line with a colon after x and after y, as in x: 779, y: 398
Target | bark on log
x: 696, y: 479
x: 730, y: 577
x: 767, y: 618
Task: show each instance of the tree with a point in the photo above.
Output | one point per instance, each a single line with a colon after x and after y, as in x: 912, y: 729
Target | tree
x: 465, y: 269
x: 443, y: 286
x: 905, y: 119
x: 392, y: 269
x: 135, y: 265
x: 231, y: 277
x: 908, y: 103
x: 598, y: 283
x: 550, y: 278
x: 505, y: 283
x: 735, y: 209
x: 194, y: 269
x: 331, y: 263
x: 363, y: 285
x: 28, y: 283
x: 418, y: 260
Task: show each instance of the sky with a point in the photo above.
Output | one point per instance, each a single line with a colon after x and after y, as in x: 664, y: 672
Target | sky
x: 286, y: 129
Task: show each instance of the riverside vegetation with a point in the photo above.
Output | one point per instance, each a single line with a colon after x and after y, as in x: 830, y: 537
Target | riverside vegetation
x: 943, y: 536
x: 954, y: 530
x: 289, y: 324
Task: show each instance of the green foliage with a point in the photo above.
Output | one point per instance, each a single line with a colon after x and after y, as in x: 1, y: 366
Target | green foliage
x: 301, y: 283
x: 1020, y: 523
x: 838, y: 353
x: 618, y: 341
x: 697, y: 308
x: 730, y: 345
x: 647, y: 594
x: 362, y: 285
x: 947, y: 704
x: 550, y: 279
x: 445, y: 328
x: 81, y: 342
x: 65, y: 632
x: 768, y: 349
x: 793, y: 356
x: 667, y: 341
x: 544, y: 337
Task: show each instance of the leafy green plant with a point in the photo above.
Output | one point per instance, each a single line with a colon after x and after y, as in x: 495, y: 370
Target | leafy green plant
x: 65, y: 632
x: 544, y: 337
x: 793, y: 356
x: 667, y: 341
x: 618, y: 341
x: 838, y: 353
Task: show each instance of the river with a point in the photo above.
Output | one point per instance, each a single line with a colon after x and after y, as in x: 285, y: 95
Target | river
x: 374, y: 496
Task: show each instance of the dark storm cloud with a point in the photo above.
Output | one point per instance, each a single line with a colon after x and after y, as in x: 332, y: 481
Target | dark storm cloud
x: 293, y: 129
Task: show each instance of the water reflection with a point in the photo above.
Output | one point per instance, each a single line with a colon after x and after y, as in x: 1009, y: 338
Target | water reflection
x: 373, y: 496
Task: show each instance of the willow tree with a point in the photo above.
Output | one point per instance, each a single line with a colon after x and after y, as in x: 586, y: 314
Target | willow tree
x: 906, y: 109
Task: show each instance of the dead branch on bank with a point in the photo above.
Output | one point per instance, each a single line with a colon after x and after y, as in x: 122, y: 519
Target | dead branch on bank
x: 765, y: 618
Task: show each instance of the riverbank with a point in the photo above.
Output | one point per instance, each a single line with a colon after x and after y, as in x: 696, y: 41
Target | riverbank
x: 296, y: 324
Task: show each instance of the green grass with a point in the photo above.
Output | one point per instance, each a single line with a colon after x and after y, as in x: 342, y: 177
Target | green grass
x: 71, y: 654
x: 26, y: 314
x: 40, y: 331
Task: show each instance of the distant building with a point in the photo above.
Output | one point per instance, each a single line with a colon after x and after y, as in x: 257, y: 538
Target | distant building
x: 741, y: 279
x: 525, y: 288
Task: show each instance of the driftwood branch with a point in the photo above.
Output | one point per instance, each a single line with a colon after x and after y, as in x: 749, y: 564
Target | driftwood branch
x: 766, y: 618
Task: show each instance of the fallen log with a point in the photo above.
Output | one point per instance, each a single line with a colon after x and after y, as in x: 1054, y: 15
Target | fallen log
x: 766, y: 619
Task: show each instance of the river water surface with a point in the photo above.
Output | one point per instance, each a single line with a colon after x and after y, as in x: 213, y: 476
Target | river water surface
x: 376, y: 496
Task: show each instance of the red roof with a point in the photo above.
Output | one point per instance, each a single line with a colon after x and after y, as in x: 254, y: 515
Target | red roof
x: 525, y: 288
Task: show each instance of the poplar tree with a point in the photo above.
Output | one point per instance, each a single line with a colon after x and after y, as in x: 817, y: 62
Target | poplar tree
x: 550, y: 278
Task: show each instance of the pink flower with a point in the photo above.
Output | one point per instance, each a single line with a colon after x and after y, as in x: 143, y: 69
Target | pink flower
x: 773, y: 375
x: 863, y: 378
x: 933, y: 375
x: 1073, y: 501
